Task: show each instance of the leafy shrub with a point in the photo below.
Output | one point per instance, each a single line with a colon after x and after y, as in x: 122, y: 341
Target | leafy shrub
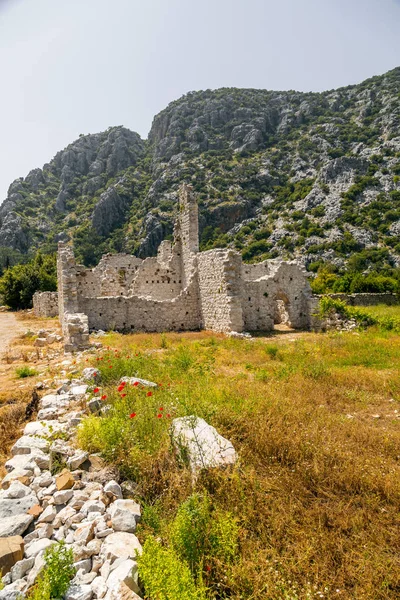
x: 199, y: 534
x: 25, y: 371
x: 55, y: 579
x: 19, y: 283
x: 165, y: 576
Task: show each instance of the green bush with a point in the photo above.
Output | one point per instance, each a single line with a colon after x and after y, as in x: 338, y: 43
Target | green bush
x: 165, y: 576
x: 19, y: 283
x: 55, y: 579
x: 199, y: 534
x: 25, y: 371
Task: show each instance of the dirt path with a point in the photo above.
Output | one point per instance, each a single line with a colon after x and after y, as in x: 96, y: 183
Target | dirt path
x: 10, y: 328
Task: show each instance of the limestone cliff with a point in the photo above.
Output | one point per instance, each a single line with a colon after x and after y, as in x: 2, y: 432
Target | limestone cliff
x: 309, y: 175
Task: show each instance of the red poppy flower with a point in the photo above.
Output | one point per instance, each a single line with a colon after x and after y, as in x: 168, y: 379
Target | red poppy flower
x: 123, y: 395
x: 121, y: 387
x: 149, y: 394
x: 96, y: 389
x: 136, y: 383
x: 159, y: 416
x: 208, y: 568
x: 94, y: 374
x: 110, y: 366
x: 161, y: 409
x: 169, y: 416
x: 104, y: 396
x: 132, y: 415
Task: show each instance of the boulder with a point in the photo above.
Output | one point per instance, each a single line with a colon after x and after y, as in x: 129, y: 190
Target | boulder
x: 37, y: 546
x: 25, y: 444
x: 120, y: 545
x: 112, y: 488
x: 126, y: 572
x: 200, y: 444
x: 124, y: 515
x: 11, y: 551
x: 77, y: 460
x: 121, y: 592
x: 79, y: 592
x: 11, y: 508
x: 91, y: 374
x: 16, y: 490
x: 15, y: 525
x: 21, y: 568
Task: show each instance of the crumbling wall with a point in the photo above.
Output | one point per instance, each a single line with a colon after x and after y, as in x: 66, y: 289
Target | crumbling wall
x: 367, y: 299
x: 135, y: 313
x: 219, y: 276
x: 282, y: 294
x: 45, y: 304
x: 158, y: 280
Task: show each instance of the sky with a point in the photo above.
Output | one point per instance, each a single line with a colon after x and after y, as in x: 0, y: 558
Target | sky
x: 79, y: 66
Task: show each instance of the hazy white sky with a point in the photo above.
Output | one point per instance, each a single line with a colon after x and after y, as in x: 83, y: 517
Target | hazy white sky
x: 78, y: 66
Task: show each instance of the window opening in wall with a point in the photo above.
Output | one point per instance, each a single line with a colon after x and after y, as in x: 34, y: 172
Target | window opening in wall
x: 249, y: 299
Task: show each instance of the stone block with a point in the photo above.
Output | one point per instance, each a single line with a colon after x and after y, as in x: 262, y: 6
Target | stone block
x: 11, y: 551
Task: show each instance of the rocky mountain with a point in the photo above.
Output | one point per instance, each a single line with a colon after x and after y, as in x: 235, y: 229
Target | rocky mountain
x: 314, y: 176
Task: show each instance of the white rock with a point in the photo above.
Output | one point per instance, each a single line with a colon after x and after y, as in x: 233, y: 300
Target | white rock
x: 21, y: 568
x: 15, y: 474
x: 203, y: 446
x: 84, y: 533
x: 124, y: 515
x: 36, y: 570
x: 63, y: 496
x: 19, y: 506
x: 45, y: 530
x: 99, y: 587
x: 112, y: 488
x: 45, y: 428
x: 79, y: 592
x: 120, y: 545
x: 48, y: 515
x: 25, y: 444
x: 45, y: 479
x: 84, y: 565
x: 15, y: 525
x: 133, y: 380
x: 16, y: 490
x: 78, y: 390
x: 75, y: 461
x: 124, y: 573
x: 37, y: 546
x: 93, y: 506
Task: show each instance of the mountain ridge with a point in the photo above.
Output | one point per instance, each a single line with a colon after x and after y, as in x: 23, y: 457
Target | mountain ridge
x: 306, y: 175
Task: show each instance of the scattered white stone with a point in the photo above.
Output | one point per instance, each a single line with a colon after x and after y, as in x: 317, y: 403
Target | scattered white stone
x: 63, y: 496
x: 112, y: 488
x: 79, y: 592
x: 37, y: 546
x: 77, y: 460
x: 124, y: 515
x: 16, y: 490
x: 48, y: 515
x: 26, y: 443
x: 120, y: 545
x: 21, y: 568
x: 137, y: 380
x: 15, y: 525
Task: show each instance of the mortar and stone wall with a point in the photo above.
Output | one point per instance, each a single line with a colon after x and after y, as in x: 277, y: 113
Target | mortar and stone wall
x: 180, y: 289
x: 45, y: 304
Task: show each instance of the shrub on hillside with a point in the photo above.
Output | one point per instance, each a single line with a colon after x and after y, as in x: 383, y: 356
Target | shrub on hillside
x: 20, y: 282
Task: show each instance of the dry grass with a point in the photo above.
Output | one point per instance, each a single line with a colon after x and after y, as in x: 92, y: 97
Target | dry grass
x: 315, y: 419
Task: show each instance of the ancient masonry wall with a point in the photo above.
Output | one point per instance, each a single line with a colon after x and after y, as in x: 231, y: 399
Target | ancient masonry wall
x: 367, y: 299
x: 283, y: 293
x: 45, y: 304
x: 219, y: 276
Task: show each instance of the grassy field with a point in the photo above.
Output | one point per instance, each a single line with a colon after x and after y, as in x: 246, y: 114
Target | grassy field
x: 311, y: 509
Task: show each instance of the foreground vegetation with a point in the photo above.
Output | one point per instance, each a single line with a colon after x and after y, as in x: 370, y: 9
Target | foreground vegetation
x: 310, y: 510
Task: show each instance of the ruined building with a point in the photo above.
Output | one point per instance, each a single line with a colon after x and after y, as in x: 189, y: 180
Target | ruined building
x: 179, y: 289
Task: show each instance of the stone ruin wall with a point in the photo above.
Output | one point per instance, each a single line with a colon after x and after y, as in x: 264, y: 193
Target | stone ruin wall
x: 366, y: 299
x: 275, y: 292
x: 45, y: 304
x: 219, y: 274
